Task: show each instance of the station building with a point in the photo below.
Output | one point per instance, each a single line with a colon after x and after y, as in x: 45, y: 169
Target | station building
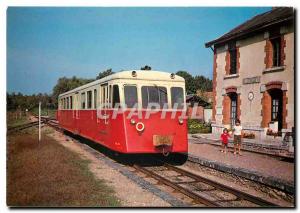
x: 253, y: 75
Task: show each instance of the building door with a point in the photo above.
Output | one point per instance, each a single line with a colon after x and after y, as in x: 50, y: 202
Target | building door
x: 276, y: 107
x: 233, y: 108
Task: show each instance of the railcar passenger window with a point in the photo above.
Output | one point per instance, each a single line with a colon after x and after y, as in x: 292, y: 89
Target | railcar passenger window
x: 71, y: 102
x: 116, y: 96
x: 64, y: 103
x: 68, y: 102
x: 177, y: 97
x: 109, y: 96
x: 89, y: 99
x: 83, y: 100
x: 130, y: 93
x: 152, y: 94
x: 95, y: 98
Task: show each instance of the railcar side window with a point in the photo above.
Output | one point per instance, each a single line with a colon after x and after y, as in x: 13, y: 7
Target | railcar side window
x: 89, y: 99
x: 83, y: 100
x: 67, y: 102
x: 71, y: 102
x: 177, y: 97
x: 64, y: 103
x: 95, y: 98
x: 130, y: 93
x: 154, y: 95
x: 116, y: 96
x: 109, y: 96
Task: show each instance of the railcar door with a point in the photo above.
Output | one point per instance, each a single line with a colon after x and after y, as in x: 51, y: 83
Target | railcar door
x: 103, y: 114
x: 76, y: 112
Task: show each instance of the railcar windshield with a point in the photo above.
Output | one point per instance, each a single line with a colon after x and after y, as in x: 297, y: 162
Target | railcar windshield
x: 154, y: 95
x: 130, y: 93
x: 177, y: 98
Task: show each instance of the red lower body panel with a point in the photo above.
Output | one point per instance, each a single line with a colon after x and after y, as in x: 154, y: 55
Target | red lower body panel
x: 122, y: 135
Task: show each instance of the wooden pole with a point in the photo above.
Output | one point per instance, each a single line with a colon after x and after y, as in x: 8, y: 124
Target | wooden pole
x: 39, y: 121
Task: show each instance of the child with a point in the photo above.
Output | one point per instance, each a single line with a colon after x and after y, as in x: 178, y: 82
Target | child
x: 238, y: 131
x: 224, y: 138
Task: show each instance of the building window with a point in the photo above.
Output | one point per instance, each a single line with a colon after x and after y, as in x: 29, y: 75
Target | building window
x: 233, y: 108
x: 89, y: 99
x: 233, y: 59
x: 276, y: 47
x: 275, y: 107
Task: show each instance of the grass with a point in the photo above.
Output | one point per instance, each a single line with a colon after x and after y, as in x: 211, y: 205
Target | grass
x: 13, y: 121
x: 50, y: 175
x: 195, y: 126
x: 44, y: 112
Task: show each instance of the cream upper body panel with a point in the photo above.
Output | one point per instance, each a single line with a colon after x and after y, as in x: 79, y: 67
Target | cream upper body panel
x: 127, y: 76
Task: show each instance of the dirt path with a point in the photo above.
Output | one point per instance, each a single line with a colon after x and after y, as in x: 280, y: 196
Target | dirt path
x: 128, y: 192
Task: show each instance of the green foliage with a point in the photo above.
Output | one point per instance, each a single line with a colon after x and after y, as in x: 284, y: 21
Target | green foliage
x: 146, y: 68
x: 21, y: 102
x: 196, y: 126
x: 104, y: 73
x: 202, y: 83
x: 195, y: 83
x: 65, y: 84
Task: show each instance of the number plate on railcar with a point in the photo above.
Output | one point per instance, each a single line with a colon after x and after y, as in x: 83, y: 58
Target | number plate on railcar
x: 159, y: 140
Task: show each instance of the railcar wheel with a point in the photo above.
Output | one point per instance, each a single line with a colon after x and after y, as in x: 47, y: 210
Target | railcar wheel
x: 177, y: 158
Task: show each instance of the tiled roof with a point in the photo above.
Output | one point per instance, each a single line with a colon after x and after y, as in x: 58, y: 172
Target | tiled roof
x: 259, y: 22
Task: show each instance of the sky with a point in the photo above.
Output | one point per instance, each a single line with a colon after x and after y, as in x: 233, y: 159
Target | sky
x: 44, y: 44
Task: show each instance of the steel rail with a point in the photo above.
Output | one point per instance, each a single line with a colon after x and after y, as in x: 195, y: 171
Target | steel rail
x: 222, y: 187
x: 23, y: 126
x: 177, y: 187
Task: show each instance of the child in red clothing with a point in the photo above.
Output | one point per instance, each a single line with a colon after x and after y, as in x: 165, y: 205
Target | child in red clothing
x: 224, y: 138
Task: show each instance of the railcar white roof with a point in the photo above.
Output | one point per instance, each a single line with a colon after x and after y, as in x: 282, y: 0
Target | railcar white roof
x: 149, y: 75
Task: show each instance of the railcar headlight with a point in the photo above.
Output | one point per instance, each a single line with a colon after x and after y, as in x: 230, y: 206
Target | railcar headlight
x: 180, y: 120
x: 172, y: 76
x: 132, y: 121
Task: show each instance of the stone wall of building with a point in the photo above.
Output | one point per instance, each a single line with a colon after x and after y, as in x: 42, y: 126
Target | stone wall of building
x: 252, y: 64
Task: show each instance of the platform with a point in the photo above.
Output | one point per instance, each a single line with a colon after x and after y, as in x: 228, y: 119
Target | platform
x: 258, y: 167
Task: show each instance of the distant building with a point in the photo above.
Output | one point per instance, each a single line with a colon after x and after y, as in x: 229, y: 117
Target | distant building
x: 199, y: 107
x: 253, y: 74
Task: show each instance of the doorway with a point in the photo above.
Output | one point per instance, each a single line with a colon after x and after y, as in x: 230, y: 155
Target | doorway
x: 276, y: 106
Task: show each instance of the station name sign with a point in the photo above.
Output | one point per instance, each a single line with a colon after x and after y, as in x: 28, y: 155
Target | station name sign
x: 251, y: 80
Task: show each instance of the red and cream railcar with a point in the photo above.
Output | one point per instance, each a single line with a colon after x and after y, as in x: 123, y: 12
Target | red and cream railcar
x: 114, y: 111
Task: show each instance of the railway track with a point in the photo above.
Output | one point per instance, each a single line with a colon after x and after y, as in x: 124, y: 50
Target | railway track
x: 202, y: 190
x: 199, y: 189
x: 23, y: 126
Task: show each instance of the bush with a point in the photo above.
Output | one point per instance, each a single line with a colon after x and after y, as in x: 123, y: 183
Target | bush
x: 196, y: 126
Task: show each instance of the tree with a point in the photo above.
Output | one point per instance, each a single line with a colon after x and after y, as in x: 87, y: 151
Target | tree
x: 202, y: 83
x: 104, y: 73
x: 65, y: 84
x: 193, y: 84
x: 189, y: 81
x: 146, y: 68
